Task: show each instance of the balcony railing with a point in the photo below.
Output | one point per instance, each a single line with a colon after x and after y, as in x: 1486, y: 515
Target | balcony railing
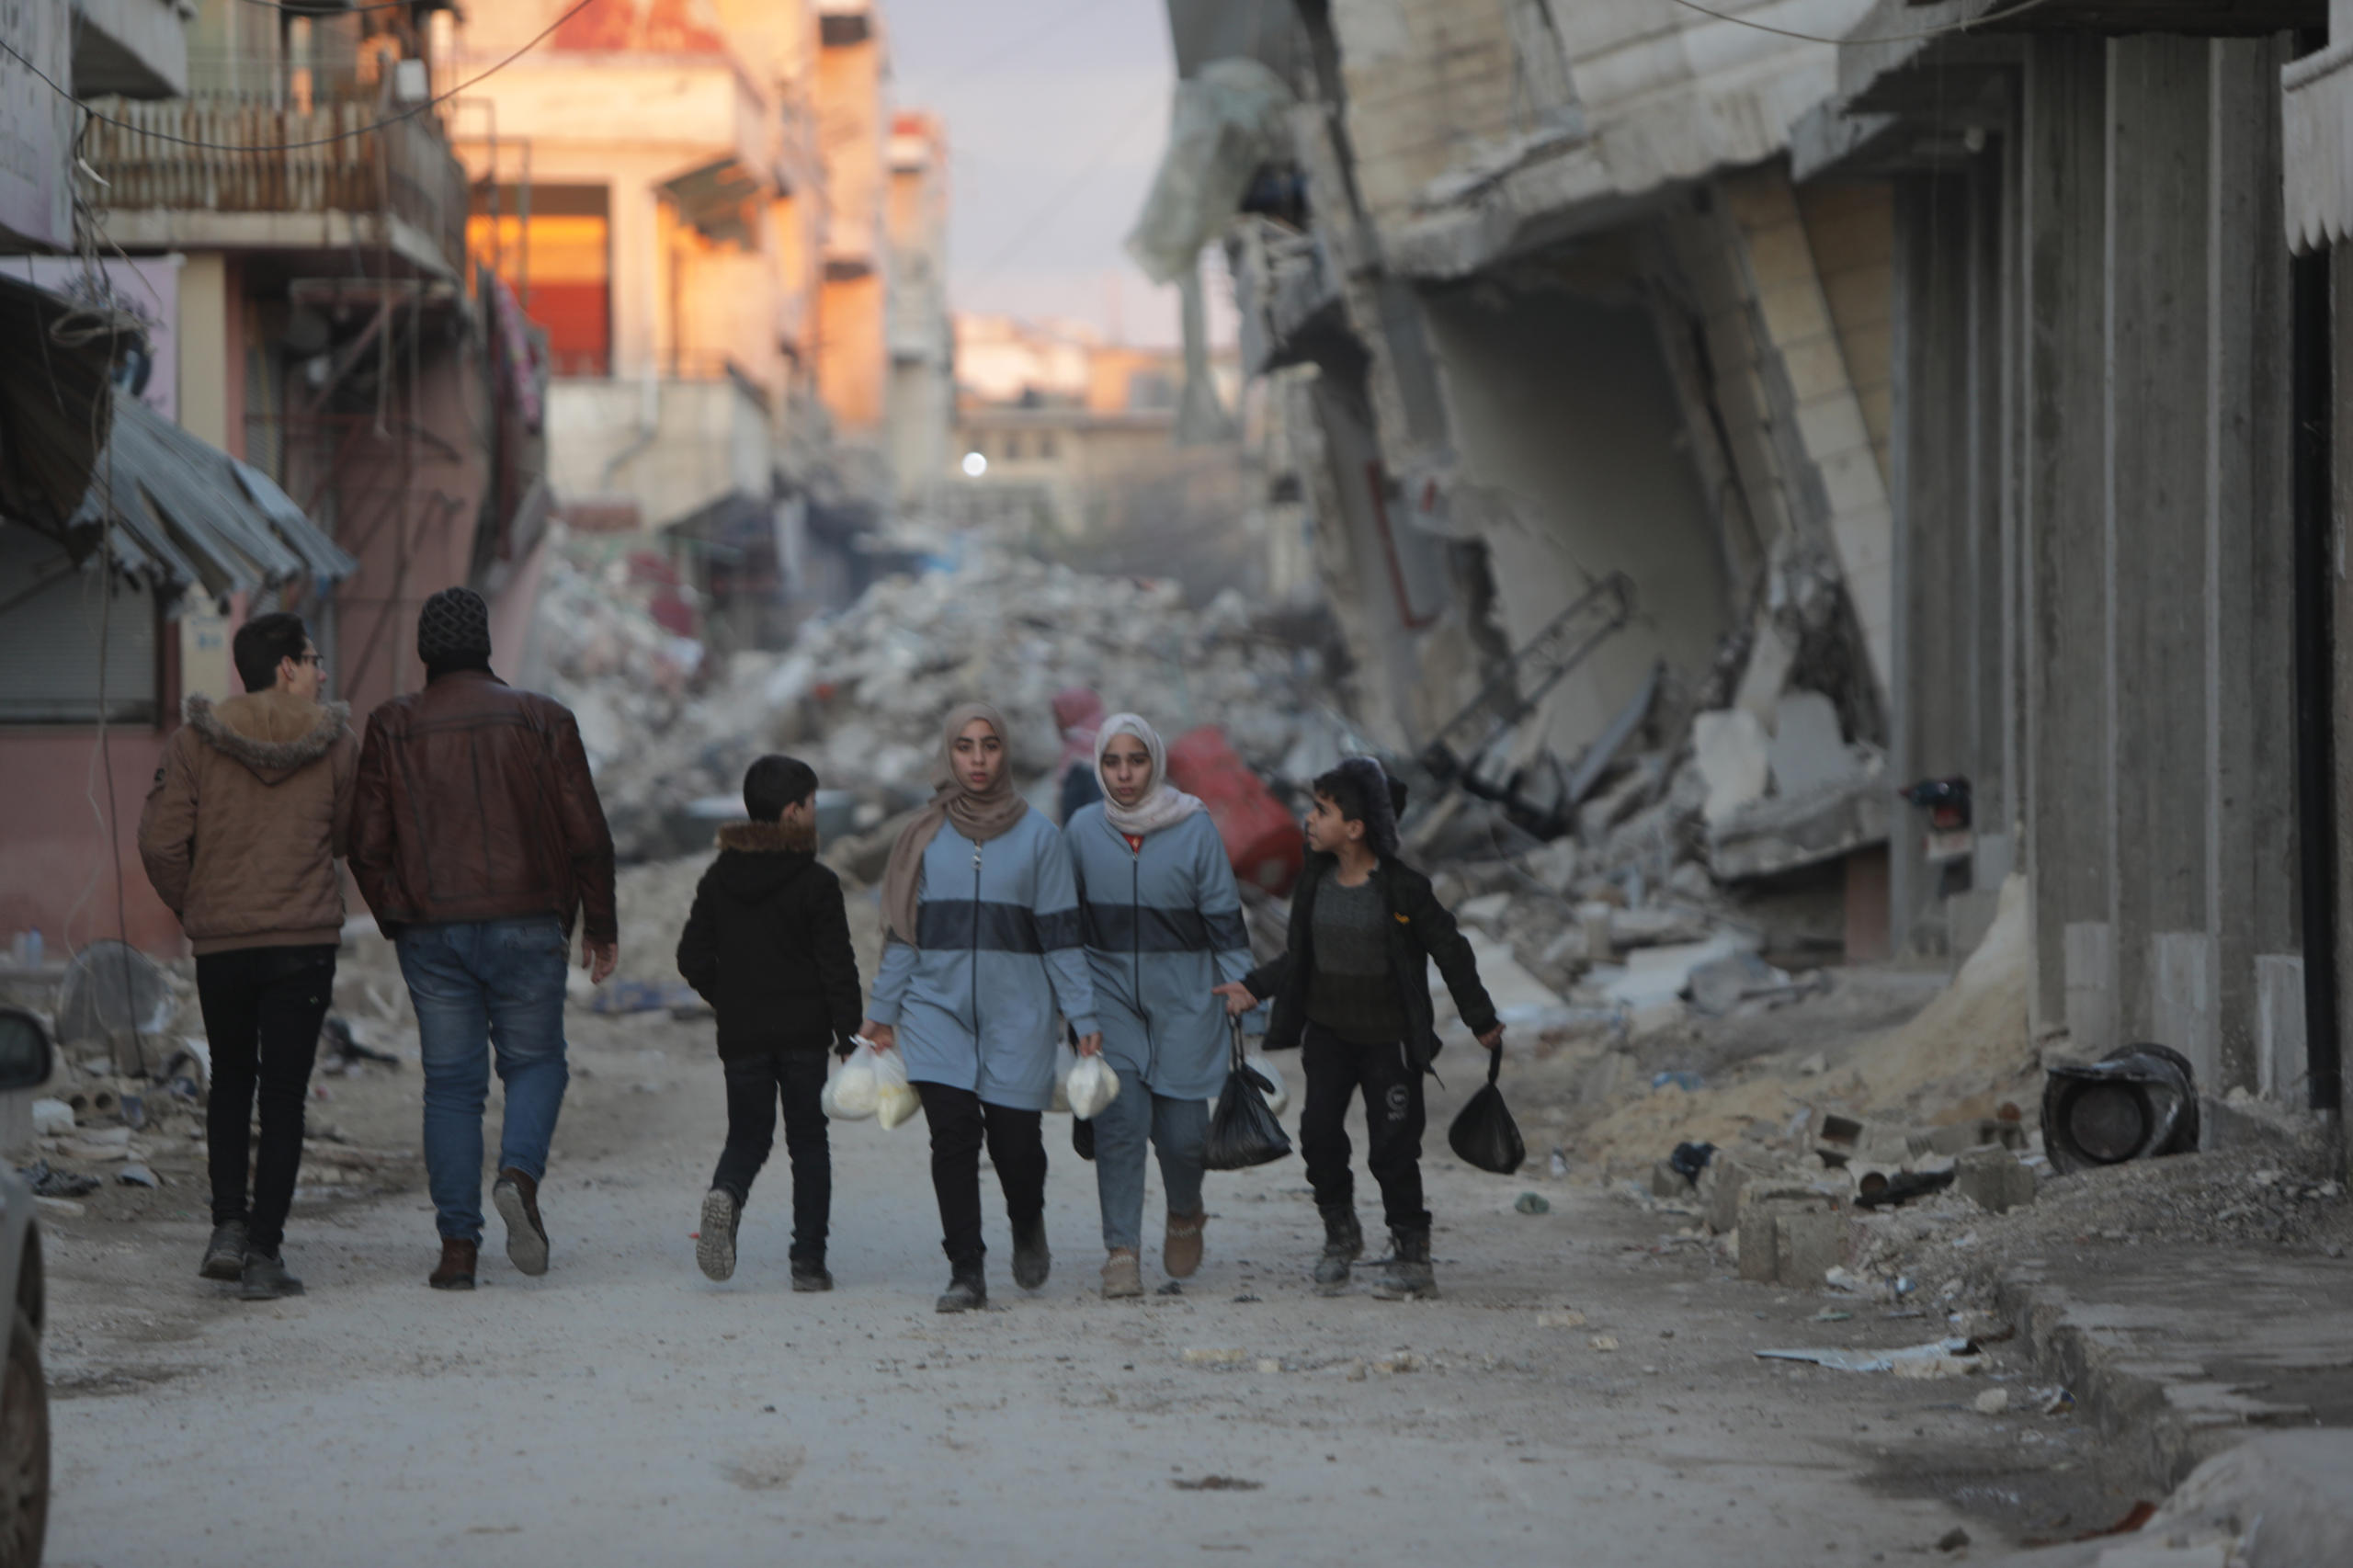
x: 404, y: 168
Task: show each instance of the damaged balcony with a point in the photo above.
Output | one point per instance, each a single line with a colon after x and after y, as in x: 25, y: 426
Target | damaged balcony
x: 279, y: 176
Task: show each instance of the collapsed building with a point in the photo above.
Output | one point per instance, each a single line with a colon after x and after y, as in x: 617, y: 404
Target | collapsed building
x: 1936, y: 388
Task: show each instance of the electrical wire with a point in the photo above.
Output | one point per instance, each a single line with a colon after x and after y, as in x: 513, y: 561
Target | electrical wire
x: 409, y: 113
x: 1949, y: 28
x: 1034, y: 225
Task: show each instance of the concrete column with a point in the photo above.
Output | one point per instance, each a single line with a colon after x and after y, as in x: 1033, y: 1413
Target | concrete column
x: 1931, y: 715
x: 2252, y: 861
x: 2063, y: 223
x: 2155, y: 521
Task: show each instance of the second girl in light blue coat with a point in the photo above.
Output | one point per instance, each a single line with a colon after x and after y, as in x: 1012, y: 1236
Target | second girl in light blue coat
x: 1163, y: 928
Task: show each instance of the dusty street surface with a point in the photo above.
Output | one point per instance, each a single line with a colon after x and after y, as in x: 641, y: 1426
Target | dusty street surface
x: 624, y: 1405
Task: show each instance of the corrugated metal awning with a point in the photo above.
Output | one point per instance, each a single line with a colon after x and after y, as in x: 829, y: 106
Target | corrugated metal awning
x: 188, y: 514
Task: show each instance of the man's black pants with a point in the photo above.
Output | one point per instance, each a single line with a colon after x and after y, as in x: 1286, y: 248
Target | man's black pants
x: 754, y: 1086
x: 262, y: 1007
x: 1335, y: 1069
x: 960, y: 1122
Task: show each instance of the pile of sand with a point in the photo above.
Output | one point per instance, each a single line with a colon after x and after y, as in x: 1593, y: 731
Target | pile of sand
x: 1963, y: 1055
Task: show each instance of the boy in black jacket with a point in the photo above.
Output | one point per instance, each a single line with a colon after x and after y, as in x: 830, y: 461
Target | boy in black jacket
x: 767, y: 946
x: 1353, y: 993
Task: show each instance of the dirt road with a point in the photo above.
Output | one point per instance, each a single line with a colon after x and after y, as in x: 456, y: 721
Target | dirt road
x: 623, y: 1408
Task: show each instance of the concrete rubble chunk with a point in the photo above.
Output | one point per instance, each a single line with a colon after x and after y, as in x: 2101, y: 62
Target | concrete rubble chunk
x: 1992, y: 1180
x: 1809, y: 751
x: 1733, y: 757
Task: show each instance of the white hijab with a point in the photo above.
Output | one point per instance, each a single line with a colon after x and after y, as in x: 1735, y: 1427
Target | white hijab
x: 1163, y: 805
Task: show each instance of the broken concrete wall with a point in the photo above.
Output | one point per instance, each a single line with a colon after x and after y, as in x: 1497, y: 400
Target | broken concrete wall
x: 1567, y: 429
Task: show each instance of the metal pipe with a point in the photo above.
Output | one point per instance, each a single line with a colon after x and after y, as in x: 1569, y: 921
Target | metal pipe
x: 2311, y: 341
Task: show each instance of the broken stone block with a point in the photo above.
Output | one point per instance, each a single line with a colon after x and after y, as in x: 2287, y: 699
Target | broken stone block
x: 1758, y: 1259
x: 1668, y: 1181
x: 1733, y: 757
x: 1807, y: 1245
x: 1809, y: 749
x: 1992, y: 1180
x: 1723, y: 1185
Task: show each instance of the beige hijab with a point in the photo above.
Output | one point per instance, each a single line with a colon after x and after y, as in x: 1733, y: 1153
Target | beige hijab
x: 978, y: 816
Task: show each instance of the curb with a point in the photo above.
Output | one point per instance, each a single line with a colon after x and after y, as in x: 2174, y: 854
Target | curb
x: 2143, y: 1435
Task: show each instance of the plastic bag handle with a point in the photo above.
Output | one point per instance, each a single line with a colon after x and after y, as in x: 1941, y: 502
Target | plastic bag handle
x: 1234, y: 1027
x: 1494, y: 1061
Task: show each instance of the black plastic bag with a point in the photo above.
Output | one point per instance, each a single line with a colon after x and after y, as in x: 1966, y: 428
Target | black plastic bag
x: 1081, y: 1138
x: 1483, y: 1133
x: 1242, y: 1131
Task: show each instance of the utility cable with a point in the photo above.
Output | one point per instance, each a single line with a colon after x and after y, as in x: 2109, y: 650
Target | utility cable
x: 1949, y: 28
x: 409, y: 113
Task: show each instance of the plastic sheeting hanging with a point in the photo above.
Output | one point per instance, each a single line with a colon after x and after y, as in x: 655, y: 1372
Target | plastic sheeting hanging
x: 1224, y: 122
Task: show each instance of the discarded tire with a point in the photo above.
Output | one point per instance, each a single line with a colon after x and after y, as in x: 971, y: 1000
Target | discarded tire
x: 2139, y: 1102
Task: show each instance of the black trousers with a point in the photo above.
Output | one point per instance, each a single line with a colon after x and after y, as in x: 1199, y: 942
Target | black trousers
x: 262, y: 1007
x: 960, y: 1122
x: 1393, y: 1120
x: 754, y: 1086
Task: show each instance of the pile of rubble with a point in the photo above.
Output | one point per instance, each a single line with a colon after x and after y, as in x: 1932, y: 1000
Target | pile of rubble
x: 859, y: 694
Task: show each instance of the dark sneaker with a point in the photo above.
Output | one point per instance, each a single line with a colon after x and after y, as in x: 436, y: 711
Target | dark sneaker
x: 965, y: 1294
x: 225, y: 1254
x: 1406, y: 1275
x: 809, y: 1275
x: 456, y: 1269
x: 1343, y: 1245
x: 516, y: 1197
x: 715, y: 1245
x: 266, y: 1280
x: 1032, y: 1260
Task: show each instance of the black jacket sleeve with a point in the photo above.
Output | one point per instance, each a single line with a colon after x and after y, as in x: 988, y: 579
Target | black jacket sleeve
x: 1449, y: 948
x: 1267, y: 978
x: 1287, y: 974
x: 836, y: 962
x: 699, y: 947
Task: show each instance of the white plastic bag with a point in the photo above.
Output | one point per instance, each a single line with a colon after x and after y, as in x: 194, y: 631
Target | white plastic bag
x: 856, y: 1092
x: 1270, y: 1080
x: 1065, y: 1060
x: 895, y: 1099
x: 1090, y: 1086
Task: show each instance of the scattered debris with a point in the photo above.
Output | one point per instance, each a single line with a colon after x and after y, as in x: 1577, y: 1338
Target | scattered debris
x: 47, y: 1182
x: 1218, y: 1484
x: 1937, y: 1358
x: 1532, y: 1203
x: 2136, y: 1103
x: 1993, y: 1401
x: 138, y: 1175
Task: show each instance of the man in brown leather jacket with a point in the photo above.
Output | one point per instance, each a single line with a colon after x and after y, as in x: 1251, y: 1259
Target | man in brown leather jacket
x: 477, y: 836
x: 239, y: 836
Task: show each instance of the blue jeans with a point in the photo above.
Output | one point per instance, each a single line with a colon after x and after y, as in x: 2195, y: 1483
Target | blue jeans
x: 1177, y: 1129
x: 480, y: 987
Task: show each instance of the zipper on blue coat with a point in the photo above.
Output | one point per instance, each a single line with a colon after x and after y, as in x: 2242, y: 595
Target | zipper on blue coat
x: 974, y: 966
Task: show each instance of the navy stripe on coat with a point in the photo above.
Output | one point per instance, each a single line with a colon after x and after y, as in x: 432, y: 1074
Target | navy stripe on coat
x: 946, y: 926
x: 1130, y: 928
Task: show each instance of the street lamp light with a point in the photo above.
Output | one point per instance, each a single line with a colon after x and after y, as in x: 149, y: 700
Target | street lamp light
x: 975, y: 465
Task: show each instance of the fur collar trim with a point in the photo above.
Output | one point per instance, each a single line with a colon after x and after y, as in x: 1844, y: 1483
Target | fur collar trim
x: 768, y: 838
x: 258, y: 753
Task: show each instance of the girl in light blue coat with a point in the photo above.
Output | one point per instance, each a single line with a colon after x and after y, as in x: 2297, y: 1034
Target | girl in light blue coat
x: 983, y: 944
x: 1163, y: 929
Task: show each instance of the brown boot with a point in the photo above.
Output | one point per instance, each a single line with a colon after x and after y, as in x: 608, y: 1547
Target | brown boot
x: 517, y: 1198
x: 1181, y: 1253
x: 456, y: 1271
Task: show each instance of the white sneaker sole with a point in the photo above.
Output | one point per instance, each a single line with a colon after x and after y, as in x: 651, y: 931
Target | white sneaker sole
x: 715, y: 1247
x: 527, y: 1249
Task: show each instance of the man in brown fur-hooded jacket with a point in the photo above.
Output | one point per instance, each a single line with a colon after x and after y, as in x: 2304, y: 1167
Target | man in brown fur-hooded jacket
x: 240, y: 836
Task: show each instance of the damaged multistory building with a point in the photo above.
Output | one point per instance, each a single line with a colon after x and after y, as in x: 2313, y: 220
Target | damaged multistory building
x: 1939, y: 384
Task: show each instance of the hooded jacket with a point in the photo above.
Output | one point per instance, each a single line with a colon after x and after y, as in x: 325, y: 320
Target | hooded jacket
x: 1421, y: 931
x: 246, y: 816
x: 1163, y: 928
x: 768, y: 945
x: 1002, y: 950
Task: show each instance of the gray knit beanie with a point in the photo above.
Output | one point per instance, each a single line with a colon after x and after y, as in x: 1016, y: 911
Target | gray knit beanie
x: 454, y: 629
